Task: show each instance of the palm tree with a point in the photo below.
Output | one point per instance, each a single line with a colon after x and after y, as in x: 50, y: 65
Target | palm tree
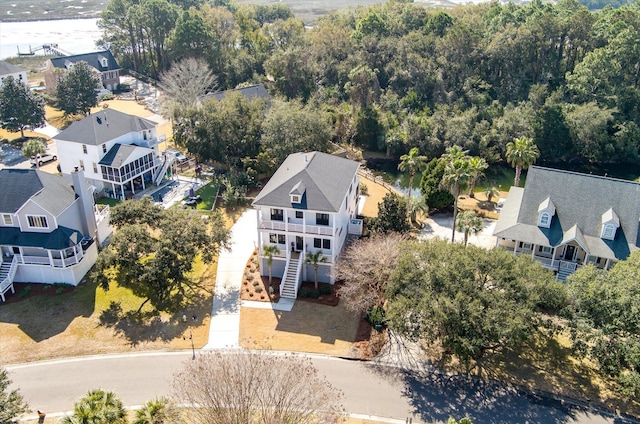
x: 315, y: 259
x: 33, y: 148
x: 269, y: 252
x: 413, y: 163
x: 468, y: 223
x: 477, y: 166
x: 97, y: 407
x: 491, y: 193
x: 456, y: 175
x: 416, y: 206
x: 521, y: 153
x: 158, y: 411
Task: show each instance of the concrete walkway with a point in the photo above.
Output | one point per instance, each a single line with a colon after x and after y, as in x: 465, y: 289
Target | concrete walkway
x: 224, y: 327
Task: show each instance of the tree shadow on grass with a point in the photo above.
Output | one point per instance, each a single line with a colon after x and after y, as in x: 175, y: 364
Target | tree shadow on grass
x: 151, y: 325
x: 48, y: 310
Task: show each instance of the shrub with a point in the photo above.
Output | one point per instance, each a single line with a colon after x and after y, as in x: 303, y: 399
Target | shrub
x: 47, y: 287
x: 364, y: 189
x: 258, y: 289
x: 23, y: 293
x: 314, y: 294
x: 375, y: 316
x: 59, y: 290
x: 250, y: 277
x: 28, y: 289
x: 325, y: 289
x: 304, y: 292
x: 271, y: 290
x: 252, y: 269
x: 256, y: 283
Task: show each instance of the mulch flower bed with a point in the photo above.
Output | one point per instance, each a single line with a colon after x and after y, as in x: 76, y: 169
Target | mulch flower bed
x: 28, y: 290
x: 254, y: 286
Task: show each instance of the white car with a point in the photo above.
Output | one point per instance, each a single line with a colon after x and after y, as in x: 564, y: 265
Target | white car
x: 42, y: 159
x: 180, y: 158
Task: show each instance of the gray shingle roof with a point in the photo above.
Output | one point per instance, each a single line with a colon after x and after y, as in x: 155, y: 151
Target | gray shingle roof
x: 93, y: 59
x: 104, y: 126
x: 250, y: 93
x: 326, y: 179
x: 118, y: 155
x: 51, y: 192
x: 7, y: 68
x: 580, y: 201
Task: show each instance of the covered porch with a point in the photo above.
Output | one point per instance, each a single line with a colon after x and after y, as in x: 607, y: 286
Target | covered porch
x: 563, y: 259
x: 127, y: 170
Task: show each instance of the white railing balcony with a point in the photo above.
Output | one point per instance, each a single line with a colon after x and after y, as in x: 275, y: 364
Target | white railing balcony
x: 296, y: 228
x: 34, y: 260
x: 101, y: 212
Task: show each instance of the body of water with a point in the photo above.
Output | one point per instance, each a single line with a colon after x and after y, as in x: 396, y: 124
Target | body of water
x: 73, y: 35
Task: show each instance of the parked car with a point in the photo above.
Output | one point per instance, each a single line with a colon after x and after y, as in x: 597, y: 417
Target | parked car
x: 42, y: 159
x: 180, y: 158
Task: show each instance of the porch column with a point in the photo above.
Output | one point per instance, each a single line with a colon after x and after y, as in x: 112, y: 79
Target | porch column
x: 533, y: 250
x: 515, y: 248
x: 553, y: 257
x: 133, y: 191
x: 75, y: 253
x: 586, y: 258
x: 606, y: 265
x: 122, y: 197
x: 50, y: 258
x: 142, y: 177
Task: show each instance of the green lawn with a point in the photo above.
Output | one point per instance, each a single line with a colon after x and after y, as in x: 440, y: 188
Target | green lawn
x: 209, y: 193
x: 108, y: 201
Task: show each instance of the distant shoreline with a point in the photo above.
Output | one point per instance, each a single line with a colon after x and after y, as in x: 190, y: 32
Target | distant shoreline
x: 60, y: 18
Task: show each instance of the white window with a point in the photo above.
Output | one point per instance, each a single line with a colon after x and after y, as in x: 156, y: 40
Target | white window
x: 81, y: 163
x: 545, y: 220
x: 6, y: 219
x: 526, y: 246
x: 37, y: 221
x: 608, y: 232
x: 104, y: 148
x: 295, y: 198
x: 545, y: 249
x: 84, y: 149
x: 95, y: 168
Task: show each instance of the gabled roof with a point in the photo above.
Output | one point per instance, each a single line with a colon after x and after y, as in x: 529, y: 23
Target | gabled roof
x: 51, y: 192
x: 326, y: 179
x: 580, y: 201
x: 7, y: 68
x: 118, y: 155
x: 104, y: 126
x: 92, y: 59
x: 252, y: 92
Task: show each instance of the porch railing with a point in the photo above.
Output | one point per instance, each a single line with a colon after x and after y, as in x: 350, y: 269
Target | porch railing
x: 296, y: 228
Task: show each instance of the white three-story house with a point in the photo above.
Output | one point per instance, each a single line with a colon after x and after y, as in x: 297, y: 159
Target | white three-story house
x: 306, y: 207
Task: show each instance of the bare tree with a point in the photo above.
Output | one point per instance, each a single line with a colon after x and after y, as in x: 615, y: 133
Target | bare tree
x: 185, y: 84
x: 251, y: 387
x: 365, y: 267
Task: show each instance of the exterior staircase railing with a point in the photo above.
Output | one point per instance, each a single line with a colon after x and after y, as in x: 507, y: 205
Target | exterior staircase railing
x: 289, y: 283
x: 7, y: 274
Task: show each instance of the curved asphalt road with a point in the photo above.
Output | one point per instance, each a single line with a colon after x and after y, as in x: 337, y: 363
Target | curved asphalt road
x: 369, y: 389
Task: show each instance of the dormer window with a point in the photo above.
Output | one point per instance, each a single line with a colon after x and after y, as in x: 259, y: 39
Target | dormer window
x: 297, y: 192
x: 104, y: 62
x: 545, y: 220
x: 546, y: 210
x: 610, y: 223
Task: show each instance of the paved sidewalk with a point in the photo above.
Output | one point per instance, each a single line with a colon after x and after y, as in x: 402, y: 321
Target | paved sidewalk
x: 224, y: 327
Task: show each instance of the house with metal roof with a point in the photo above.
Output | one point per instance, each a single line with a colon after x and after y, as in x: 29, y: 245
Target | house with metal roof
x: 307, y: 206
x: 9, y: 70
x: 567, y: 219
x: 117, y: 151
x: 49, y: 228
x: 102, y: 63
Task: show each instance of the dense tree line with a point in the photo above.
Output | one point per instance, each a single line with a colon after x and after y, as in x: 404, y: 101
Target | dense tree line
x: 395, y: 76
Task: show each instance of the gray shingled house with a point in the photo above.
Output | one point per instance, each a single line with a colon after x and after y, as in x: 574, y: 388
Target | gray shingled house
x: 49, y: 228
x: 9, y: 70
x: 102, y: 63
x: 117, y: 151
x: 307, y: 206
x: 566, y: 219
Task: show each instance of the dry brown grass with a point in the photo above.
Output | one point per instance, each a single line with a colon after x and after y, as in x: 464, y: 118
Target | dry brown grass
x: 375, y: 196
x: 479, y: 204
x: 308, y: 327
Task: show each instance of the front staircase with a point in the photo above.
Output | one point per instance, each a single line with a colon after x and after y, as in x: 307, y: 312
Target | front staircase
x: 7, y: 272
x: 565, y: 269
x: 161, y: 171
x: 289, y: 284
